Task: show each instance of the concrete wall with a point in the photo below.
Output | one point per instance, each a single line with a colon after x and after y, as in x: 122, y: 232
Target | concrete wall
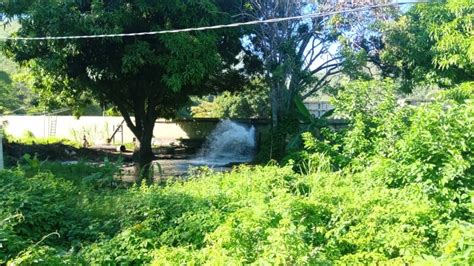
x: 98, y: 129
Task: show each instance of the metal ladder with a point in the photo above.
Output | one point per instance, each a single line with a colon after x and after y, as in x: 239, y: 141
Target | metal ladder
x: 53, y: 123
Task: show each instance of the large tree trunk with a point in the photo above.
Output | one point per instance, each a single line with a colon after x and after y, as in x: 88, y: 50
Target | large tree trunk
x: 143, y: 155
x: 280, y: 127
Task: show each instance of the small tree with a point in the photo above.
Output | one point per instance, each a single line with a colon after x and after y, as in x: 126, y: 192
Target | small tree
x: 144, y: 77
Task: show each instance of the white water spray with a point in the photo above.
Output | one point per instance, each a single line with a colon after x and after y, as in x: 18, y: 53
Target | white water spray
x: 230, y: 142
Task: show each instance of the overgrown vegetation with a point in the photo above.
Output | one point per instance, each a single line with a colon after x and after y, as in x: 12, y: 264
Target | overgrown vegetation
x: 394, y: 188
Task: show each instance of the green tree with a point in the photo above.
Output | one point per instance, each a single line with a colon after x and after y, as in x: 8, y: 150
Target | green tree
x: 10, y: 92
x: 301, y: 57
x: 8, y: 101
x: 432, y: 43
x: 144, y: 77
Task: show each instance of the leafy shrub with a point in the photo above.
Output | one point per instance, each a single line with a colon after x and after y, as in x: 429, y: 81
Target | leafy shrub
x: 460, y: 93
x: 30, y: 165
x: 10, y: 242
x: 48, y: 204
x: 318, y: 154
x: 366, y: 105
x: 40, y: 201
x: 45, y: 255
x: 32, y: 197
x: 263, y: 215
x: 457, y: 247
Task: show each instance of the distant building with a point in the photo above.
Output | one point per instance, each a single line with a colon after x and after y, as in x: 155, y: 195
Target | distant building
x: 318, y: 108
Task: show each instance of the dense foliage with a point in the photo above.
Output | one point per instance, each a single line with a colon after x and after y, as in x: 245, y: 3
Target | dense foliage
x: 252, y: 102
x: 432, y: 43
x: 398, y: 192
x: 13, y: 95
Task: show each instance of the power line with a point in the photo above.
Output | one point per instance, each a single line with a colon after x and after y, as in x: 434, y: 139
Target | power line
x: 223, y: 26
x: 43, y: 113
x: 14, y: 111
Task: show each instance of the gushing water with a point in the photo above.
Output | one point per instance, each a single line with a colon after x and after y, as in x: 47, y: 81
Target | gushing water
x: 230, y: 142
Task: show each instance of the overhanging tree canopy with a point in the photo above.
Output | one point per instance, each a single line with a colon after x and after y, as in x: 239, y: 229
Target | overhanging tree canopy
x: 431, y: 44
x: 144, y: 77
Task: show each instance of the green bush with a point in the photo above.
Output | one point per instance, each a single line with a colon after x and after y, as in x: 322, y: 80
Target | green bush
x: 10, y: 242
x: 459, y: 94
x: 45, y: 255
x: 252, y: 102
x: 40, y: 202
x: 35, y: 205
x: 263, y: 215
x: 437, y: 150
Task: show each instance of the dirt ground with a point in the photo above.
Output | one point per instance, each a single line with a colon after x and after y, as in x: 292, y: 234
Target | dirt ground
x: 14, y: 152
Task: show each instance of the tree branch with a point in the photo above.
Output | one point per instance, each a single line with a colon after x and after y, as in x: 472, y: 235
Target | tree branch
x: 322, y: 82
x: 327, y: 65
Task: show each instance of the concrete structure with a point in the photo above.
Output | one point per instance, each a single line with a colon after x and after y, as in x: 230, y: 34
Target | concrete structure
x: 98, y: 129
x: 318, y: 108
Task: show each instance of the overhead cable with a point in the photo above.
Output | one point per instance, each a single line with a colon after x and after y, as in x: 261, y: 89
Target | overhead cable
x: 204, y: 28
